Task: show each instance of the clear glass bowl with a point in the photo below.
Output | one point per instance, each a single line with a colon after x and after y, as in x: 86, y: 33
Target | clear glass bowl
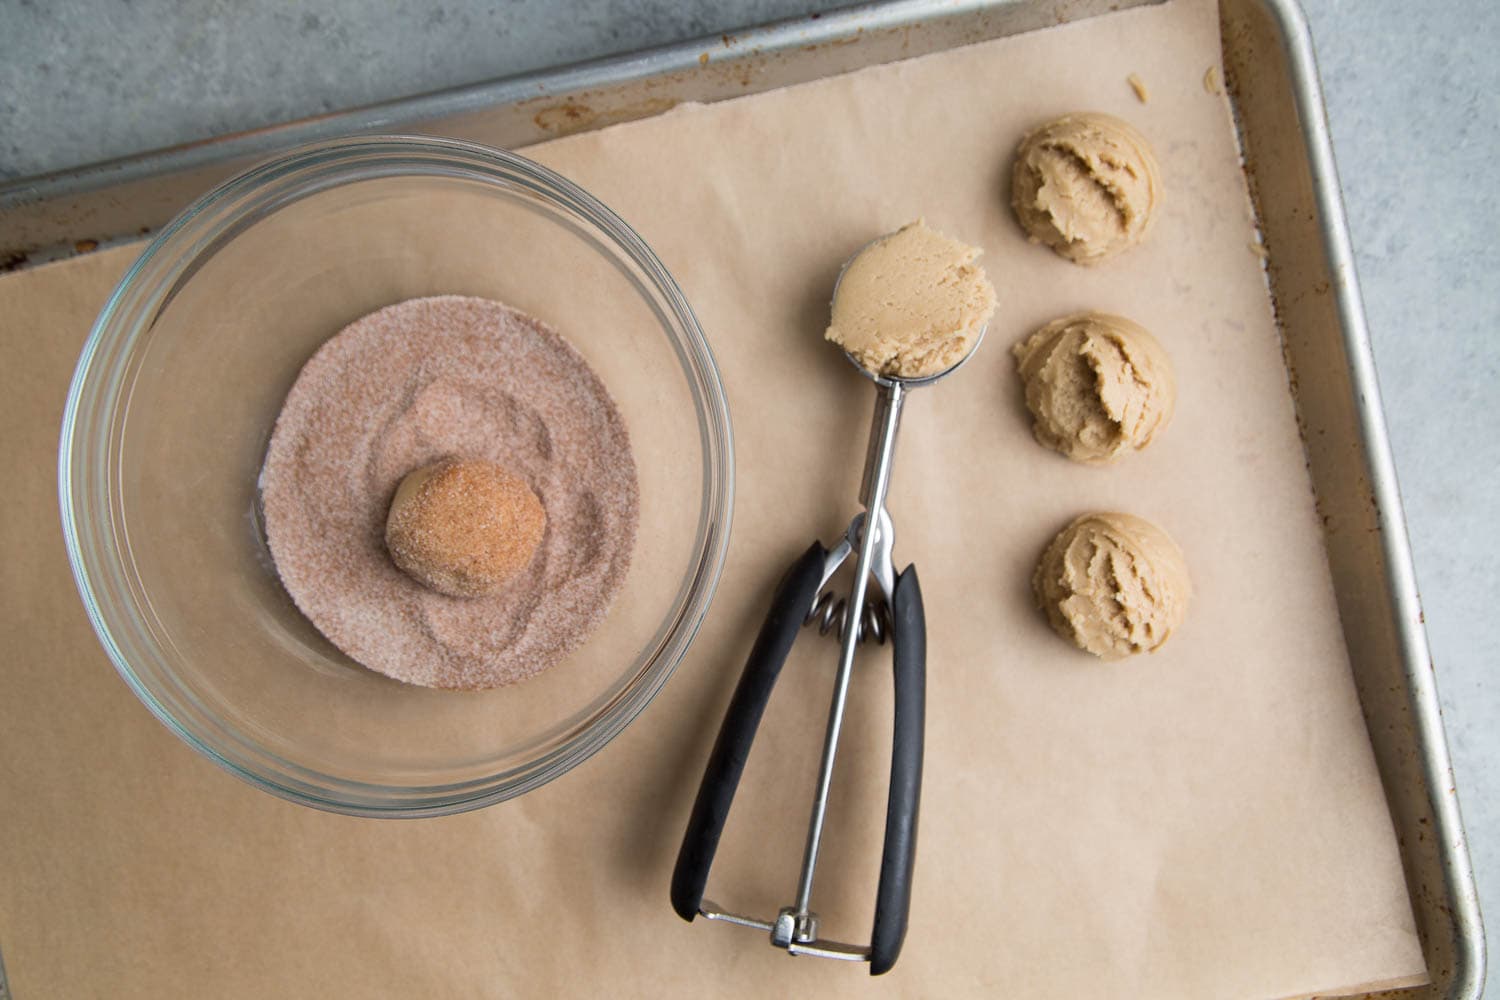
x: 172, y: 405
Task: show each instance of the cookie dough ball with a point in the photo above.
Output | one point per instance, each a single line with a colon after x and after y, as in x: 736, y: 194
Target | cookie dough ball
x: 911, y: 304
x: 1114, y: 584
x: 1086, y: 185
x: 1097, y: 386
x: 463, y: 528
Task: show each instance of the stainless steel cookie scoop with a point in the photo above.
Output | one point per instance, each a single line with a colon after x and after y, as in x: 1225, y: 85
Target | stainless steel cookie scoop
x: 800, y: 599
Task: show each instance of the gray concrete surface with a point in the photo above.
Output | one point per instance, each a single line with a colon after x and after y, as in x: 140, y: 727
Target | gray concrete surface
x: 85, y: 80
x: 1410, y: 91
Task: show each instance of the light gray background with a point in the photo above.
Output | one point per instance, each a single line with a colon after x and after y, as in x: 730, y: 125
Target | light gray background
x: 1410, y: 86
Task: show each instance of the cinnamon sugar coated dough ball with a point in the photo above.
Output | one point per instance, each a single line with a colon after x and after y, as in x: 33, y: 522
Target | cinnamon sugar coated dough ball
x: 1086, y: 185
x: 1113, y: 584
x: 1097, y: 386
x: 911, y: 304
x: 463, y: 528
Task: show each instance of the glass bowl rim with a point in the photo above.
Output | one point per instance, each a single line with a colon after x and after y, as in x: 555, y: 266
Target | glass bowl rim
x: 146, y: 288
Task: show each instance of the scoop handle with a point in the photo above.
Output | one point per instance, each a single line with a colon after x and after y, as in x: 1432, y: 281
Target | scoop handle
x: 789, y: 607
x: 893, y: 896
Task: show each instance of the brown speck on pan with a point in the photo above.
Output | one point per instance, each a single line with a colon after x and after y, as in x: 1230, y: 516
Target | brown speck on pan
x: 1211, y: 81
x: 84, y: 246
x: 703, y: 59
x: 1139, y: 86
x: 569, y: 116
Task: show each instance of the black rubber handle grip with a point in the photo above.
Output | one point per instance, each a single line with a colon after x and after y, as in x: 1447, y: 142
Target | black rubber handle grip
x: 794, y: 598
x: 893, y: 897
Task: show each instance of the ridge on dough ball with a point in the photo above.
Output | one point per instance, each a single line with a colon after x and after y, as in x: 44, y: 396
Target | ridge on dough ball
x: 1097, y: 386
x: 1114, y: 584
x: 463, y: 528
x: 1086, y: 185
x: 911, y: 304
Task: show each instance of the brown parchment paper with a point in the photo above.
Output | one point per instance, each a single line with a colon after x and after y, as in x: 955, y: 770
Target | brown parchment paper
x: 1205, y: 822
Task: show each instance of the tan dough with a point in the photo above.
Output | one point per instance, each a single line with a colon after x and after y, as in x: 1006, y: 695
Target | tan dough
x: 911, y: 304
x: 463, y: 528
x: 1114, y: 584
x: 1086, y: 185
x: 1097, y: 385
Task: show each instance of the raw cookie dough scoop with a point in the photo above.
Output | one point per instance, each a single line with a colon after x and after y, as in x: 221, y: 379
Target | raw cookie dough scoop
x: 894, y: 611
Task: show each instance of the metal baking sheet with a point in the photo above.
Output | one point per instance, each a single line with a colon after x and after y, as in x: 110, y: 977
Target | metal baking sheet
x: 1272, y: 82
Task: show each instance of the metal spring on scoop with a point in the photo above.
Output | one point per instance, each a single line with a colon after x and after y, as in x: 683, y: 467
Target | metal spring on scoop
x: 830, y: 610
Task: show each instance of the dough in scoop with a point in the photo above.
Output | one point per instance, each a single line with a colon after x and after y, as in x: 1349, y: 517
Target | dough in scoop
x: 1097, y: 385
x: 1086, y: 185
x: 911, y: 304
x: 1114, y: 584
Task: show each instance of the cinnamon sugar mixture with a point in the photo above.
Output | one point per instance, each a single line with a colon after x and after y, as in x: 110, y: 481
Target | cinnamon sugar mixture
x: 408, y: 385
